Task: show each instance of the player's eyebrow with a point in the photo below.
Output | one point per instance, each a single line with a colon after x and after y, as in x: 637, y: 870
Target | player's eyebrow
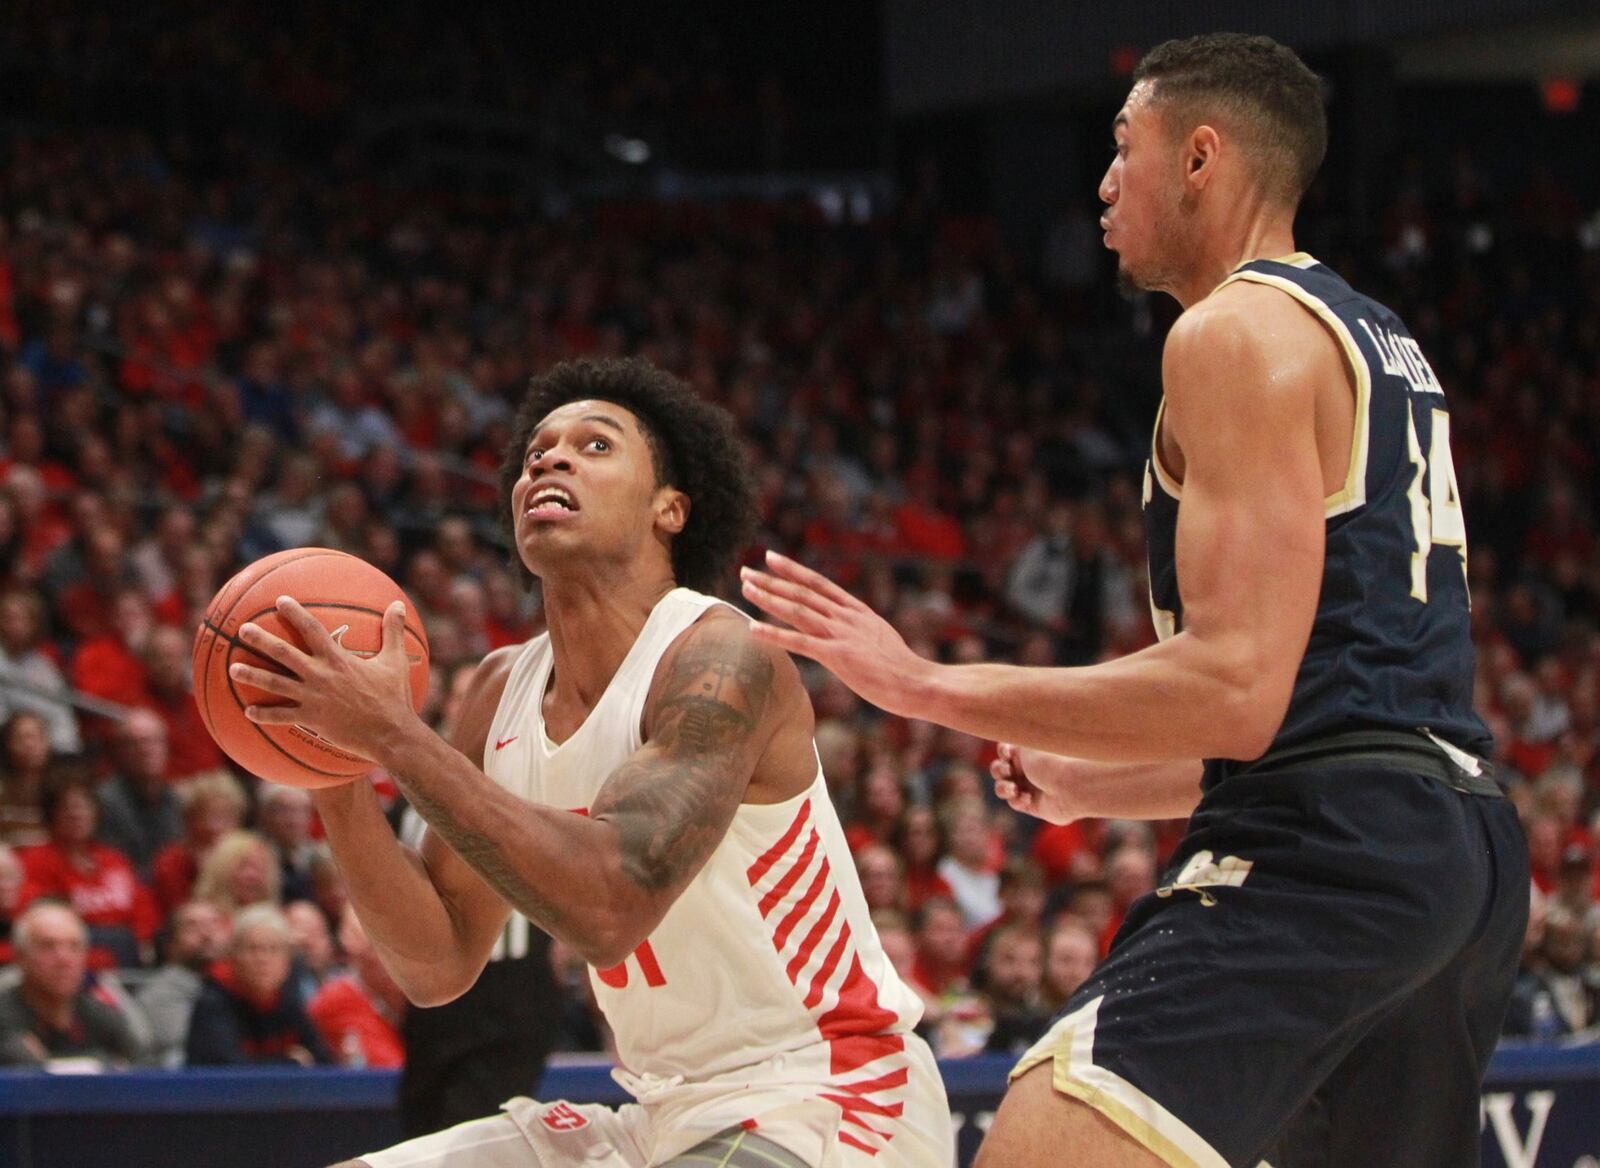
x: 1118, y: 122
x: 603, y: 419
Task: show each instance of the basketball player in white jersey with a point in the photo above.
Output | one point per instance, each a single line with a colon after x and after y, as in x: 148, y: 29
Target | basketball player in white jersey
x: 640, y: 781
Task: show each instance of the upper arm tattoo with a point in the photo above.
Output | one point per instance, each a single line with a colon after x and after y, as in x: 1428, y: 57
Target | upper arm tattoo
x: 672, y: 802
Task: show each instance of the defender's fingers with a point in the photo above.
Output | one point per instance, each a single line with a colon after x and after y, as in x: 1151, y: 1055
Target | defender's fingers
x: 794, y: 570
x: 800, y: 616
x: 798, y: 593
x: 786, y: 639
x: 264, y: 679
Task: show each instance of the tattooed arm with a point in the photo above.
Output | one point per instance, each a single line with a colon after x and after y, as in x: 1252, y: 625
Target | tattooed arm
x: 723, y: 709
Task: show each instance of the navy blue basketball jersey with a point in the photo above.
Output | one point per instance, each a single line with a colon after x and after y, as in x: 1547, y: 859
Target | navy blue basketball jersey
x: 1391, y: 644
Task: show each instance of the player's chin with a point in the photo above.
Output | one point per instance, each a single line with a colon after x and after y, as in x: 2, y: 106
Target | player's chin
x: 1130, y: 281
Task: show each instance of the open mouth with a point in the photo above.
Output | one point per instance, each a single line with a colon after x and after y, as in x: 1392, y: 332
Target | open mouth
x: 551, y: 502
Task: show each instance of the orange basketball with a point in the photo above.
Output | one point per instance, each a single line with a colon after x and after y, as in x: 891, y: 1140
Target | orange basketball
x: 349, y: 596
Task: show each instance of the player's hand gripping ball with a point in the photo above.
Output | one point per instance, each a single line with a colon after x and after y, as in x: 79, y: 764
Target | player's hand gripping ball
x: 348, y: 596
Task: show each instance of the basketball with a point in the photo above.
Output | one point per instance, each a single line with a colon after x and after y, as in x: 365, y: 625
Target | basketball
x: 348, y: 596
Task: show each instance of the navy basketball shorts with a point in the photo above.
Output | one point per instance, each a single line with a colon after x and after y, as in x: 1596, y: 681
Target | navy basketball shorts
x: 1317, y: 983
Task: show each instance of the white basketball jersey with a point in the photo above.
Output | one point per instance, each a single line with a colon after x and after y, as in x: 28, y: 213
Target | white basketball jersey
x: 769, y: 950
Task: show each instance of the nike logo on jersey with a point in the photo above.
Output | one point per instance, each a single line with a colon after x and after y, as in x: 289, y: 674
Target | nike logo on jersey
x: 502, y: 743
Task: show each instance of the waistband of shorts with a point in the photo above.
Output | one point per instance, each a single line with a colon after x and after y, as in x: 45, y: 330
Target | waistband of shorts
x: 1415, y: 751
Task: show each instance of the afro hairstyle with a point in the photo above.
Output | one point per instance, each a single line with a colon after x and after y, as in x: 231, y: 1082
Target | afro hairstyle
x: 694, y: 445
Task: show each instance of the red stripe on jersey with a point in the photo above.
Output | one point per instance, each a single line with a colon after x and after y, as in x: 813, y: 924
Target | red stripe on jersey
x: 858, y: 1013
x: 781, y: 888
x: 867, y: 1127
x: 829, y: 964
x: 860, y: 1145
x: 855, y: 1051
x: 801, y: 907
x: 813, y: 938
x: 770, y: 857
x: 854, y: 1103
x: 882, y: 1083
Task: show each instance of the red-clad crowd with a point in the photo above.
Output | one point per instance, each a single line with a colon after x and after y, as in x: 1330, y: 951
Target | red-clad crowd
x: 198, y: 367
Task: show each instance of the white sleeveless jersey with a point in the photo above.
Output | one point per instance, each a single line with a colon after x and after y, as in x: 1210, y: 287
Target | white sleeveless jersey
x: 769, y: 951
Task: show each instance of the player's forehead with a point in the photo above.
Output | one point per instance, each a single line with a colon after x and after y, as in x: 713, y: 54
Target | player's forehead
x: 594, y: 411
x: 1138, y: 112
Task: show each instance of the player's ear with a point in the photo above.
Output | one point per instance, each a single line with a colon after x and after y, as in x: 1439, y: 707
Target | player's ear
x: 672, y: 510
x: 1200, y: 155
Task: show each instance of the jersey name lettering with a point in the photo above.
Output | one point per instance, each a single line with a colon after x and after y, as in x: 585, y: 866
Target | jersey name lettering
x: 1403, y: 357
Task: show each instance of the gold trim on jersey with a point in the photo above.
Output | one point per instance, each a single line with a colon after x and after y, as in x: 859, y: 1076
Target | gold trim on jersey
x: 1295, y: 259
x: 1169, y: 482
x: 1354, y: 492
x: 1069, y: 1047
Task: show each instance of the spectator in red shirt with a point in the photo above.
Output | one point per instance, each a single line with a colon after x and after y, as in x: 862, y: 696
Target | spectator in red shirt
x: 43, y: 530
x: 98, y: 881
x: 1130, y: 873
x: 919, y: 840
x: 110, y: 664
x: 924, y: 530
x: 359, y: 1014
x: 1022, y: 897
x: 881, y: 804
x: 883, y: 881
x: 86, y: 603
x: 941, y: 965
x: 213, y: 806
x: 507, y: 624
x: 169, y: 692
x: 1069, y: 852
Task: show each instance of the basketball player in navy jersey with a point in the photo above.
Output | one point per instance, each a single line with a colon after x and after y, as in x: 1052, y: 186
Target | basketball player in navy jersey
x: 1320, y: 978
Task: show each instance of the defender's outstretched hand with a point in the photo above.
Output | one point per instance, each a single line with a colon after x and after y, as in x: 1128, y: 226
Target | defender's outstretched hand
x: 356, y: 704
x: 835, y: 630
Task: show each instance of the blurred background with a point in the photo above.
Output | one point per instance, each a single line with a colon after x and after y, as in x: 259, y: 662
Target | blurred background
x: 275, y: 275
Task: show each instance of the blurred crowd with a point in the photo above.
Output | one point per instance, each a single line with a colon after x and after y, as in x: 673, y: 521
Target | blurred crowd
x: 200, y: 368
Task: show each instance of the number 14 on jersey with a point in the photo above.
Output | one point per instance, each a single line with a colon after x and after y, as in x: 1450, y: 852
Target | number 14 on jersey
x: 1436, y: 516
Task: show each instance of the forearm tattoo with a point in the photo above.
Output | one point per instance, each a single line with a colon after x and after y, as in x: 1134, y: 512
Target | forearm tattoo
x: 672, y: 805
x: 484, y: 856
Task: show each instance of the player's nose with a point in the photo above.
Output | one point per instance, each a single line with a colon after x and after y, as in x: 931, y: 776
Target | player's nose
x: 1108, y: 185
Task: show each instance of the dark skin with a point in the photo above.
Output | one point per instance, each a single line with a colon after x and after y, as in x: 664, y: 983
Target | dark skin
x: 726, y: 722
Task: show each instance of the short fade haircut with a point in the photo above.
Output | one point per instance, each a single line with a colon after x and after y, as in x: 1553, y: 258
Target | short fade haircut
x: 694, y: 445
x: 1275, y: 98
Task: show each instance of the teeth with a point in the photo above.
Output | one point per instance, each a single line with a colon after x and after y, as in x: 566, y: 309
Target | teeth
x: 552, y: 495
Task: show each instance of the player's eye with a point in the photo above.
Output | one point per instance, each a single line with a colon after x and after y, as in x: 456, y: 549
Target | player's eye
x: 599, y: 444
x: 535, y: 454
